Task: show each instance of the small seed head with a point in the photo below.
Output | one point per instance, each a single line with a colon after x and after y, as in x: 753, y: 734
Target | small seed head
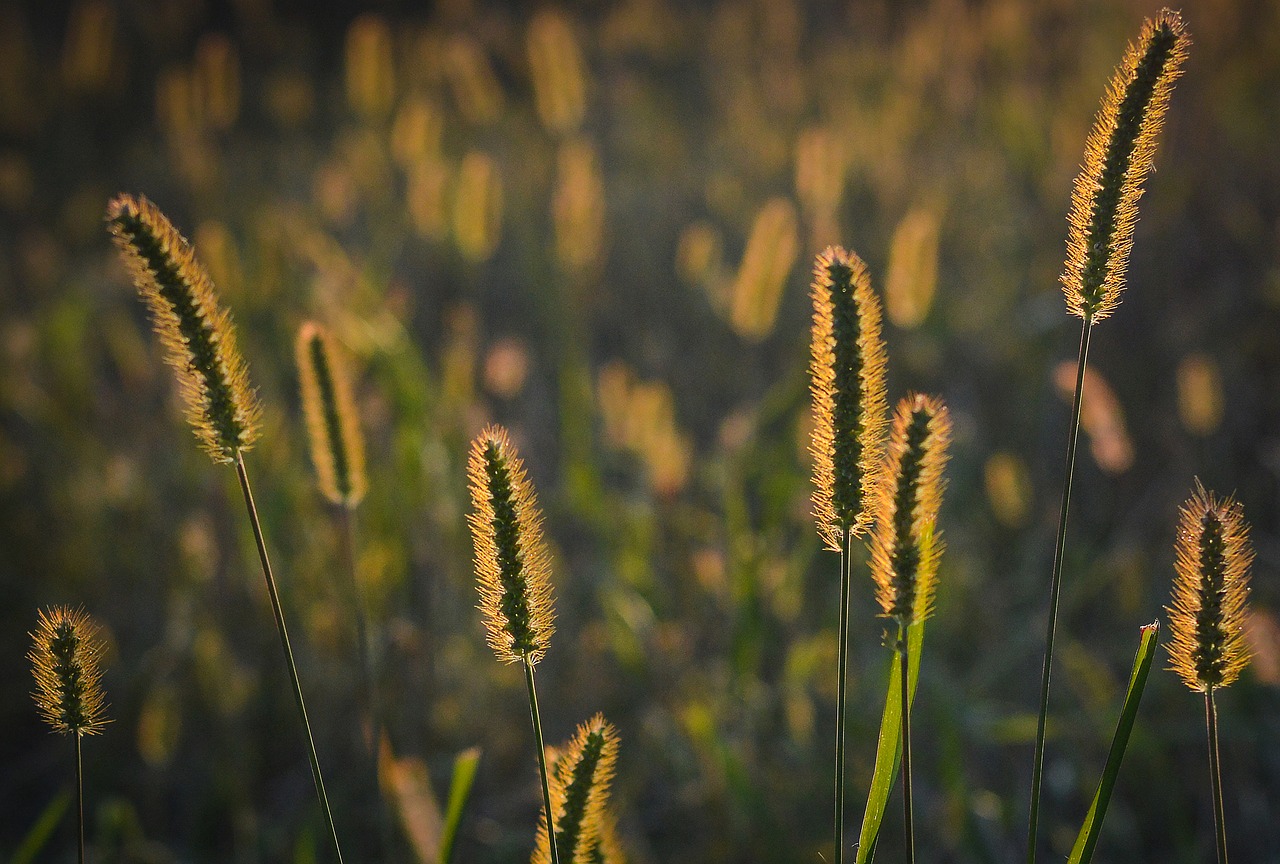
x: 333, y: 427
x: 65, y: 657
x: 579, y: 796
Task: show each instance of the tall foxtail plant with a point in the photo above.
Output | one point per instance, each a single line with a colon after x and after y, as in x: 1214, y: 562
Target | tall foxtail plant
x: 337, y: 452
x: 905, y: 542
x: 847, y: 382
x: 1207, y: 615
x: 66, y: 655
x: 200, y: 344
x: 1119, y: 155
x: 513, y: 569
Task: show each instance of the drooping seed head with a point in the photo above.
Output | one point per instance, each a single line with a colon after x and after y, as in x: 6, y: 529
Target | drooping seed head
x: 847, y: 381
x: 579, y: 795
x: 1118, y: 157
x: 197, y: 334
x: 512, y: 562
x: 333, y: 428
x: 1210, y: 592
x: 65, y: 657
x: 905, y: 542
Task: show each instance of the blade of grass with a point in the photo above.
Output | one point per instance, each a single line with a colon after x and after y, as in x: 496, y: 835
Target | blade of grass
x: 1087, y: 840
x: 889, y: 746
x: 464, y: 775
x: 33, y: 844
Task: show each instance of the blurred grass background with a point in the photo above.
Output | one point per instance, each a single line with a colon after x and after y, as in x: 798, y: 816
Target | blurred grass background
x: 594, y: 224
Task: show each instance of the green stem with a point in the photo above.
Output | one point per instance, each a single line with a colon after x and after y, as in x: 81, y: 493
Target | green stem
x: 79, y: 794
x: 903, y: 666
x: 542, y: 760
x: 1055, y: 585
x: 841, y: 686
x: 1215, y: 773
x: 347, y: 542
x: 288, y: 651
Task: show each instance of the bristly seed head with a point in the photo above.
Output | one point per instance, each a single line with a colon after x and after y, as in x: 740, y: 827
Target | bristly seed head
x: 1118, y: 157
x: 197, y: 334
x: 905, y: 542
x: 333, y: 428
x: 1210, y: 592
x: 847, y: 369
x: 512, y: 562
x: 579, y: 795
x: 65, y: 658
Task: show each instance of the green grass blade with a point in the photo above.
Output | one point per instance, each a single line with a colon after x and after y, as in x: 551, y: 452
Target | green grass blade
x: 42, y: 830
x: 1088, y: 838
x: 889, y: 747
x: 464, y: 774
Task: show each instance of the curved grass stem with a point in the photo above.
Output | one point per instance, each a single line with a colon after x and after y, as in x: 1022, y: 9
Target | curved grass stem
x: 841, y: 686
x: 542, y: 760
x: 288, y: 651
x: 1055, y: 585
x: 1215, y: 774
x: 903, y: 672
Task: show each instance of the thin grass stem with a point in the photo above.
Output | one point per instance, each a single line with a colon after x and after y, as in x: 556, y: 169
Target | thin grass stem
x: 1215, y: 774
x: 283, y: 631
x: 903, y: 667
x: 79, y: 795
x: 542, y: 760
x: 841, y: 687
x: 1055, y: 585
x: 347, y: 542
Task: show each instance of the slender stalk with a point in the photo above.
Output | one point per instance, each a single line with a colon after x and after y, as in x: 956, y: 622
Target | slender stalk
x: 903, y: 669
x: 542, y: 760
x: 79, y: 794
x: 1055, y: 585
x: 285, y: 647
x: 1215, y: 774
x: 841, y: 686
x: 347, y: 542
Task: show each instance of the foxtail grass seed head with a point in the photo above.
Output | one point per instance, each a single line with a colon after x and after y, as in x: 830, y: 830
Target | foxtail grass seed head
x: 1118, y: 156
x: 847, y: 369
x: 197, y: 334
x: 905, y: 543
x: 579, y: 795
x: 66, y: 659
x: 1210, y: 592
x: 512, y: 562
x: 333, y: 428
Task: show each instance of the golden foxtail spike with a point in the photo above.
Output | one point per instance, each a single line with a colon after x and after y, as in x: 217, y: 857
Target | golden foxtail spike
x: 66, y: 658
x: 333, y: 428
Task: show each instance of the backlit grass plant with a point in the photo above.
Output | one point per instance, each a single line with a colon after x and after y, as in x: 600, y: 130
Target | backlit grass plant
x: 1119, y: 155
x: 66, y: 655
x: 906, y: 545
x: 200, y: 344
x: 337, y: 452
x: 847, y: 382
x: 513, y: 570
x: 1207, y: 614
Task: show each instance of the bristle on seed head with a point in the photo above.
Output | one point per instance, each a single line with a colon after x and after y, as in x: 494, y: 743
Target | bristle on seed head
x: 333, y: 428
x: 65, y: 657
x: 511, y: 557
x: 905, y: 542
x: 1118, y: 157
x: 1210, y: 592
x: 197, y: 333
x: 579, y: 796
x: 847, y: 382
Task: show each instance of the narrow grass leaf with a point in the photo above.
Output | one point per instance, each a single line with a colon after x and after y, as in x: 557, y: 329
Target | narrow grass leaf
x: 888, y: 750
x: 38, y: 837
x: 1082, y: 852
x: 464, y: 775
